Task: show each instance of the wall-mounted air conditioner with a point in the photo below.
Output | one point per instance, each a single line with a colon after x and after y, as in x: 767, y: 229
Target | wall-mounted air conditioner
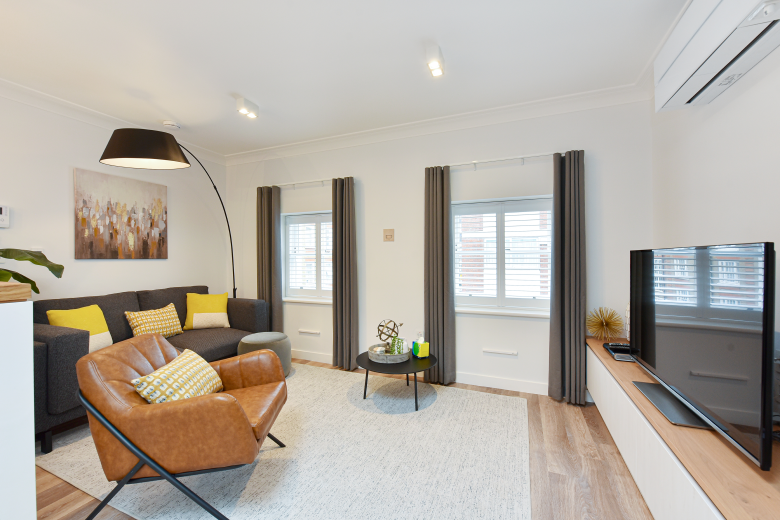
x: 714, y: 44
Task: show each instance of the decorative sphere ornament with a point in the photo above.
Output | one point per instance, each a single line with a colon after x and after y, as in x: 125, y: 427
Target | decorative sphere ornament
x: 604, y: 323
x: 388, y: 329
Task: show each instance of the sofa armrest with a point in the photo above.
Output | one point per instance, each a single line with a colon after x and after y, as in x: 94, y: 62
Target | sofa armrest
x: 255, y: 368
x: 209, y: 431
x: 64, y: 346
x: 248, y: 314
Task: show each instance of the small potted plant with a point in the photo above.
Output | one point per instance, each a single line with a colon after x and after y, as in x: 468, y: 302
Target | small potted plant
x: 34, y: 257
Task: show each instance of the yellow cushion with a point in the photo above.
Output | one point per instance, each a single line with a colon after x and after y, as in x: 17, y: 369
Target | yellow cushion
x: 206, y: 311
x: 86, y: 318
x: 164, y: 321
x: 189, y: 375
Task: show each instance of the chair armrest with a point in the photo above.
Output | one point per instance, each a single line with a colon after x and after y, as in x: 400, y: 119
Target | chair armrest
x: 259, y: 367
x: 247, y: 314
x: 209, y: 431
x: 64, y: 347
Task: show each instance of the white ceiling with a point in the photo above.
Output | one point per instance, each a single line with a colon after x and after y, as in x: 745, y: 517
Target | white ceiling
x: 319, y: 68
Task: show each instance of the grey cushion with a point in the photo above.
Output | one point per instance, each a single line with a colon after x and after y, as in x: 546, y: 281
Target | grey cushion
x: 112, y: 305
x: 43, y: 419
x: 210, y: 344
x: 275, y: 341
x: 159, y: 298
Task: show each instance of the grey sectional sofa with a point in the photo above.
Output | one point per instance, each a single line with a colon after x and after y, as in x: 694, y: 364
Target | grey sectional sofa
x: 56, y: 349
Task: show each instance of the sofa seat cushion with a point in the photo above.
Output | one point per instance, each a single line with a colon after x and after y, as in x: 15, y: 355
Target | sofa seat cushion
x: 261, y: 405
x: 210, y: 344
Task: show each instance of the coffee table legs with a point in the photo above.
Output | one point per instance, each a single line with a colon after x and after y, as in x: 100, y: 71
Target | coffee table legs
x: 415, y: 391
x: 407, y: 379
x: 365, y: 386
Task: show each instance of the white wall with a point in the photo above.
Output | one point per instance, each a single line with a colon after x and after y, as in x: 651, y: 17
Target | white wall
x: 39, y: 149
x: 716, y: 173
x: 389, y: 177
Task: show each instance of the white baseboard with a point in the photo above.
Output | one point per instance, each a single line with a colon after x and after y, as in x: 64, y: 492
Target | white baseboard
x: 517, y: 385
x: 313, y: 356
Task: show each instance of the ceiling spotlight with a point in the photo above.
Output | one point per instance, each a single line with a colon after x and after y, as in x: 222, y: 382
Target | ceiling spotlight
x: 246, y: 107
x: 435, y: 60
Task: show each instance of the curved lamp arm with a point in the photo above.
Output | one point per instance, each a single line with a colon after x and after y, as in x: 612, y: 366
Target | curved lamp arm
x: 232, y: 259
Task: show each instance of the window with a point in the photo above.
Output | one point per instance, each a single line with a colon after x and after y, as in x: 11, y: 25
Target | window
x: 503, y: 253
x: 308, y: 251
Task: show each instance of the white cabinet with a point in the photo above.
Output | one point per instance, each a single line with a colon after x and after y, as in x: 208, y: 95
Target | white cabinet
x: 668, y: 488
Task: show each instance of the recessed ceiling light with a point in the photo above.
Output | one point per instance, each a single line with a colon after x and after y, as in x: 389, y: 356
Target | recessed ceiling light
x: 435, y: 60
x: 246, y: 107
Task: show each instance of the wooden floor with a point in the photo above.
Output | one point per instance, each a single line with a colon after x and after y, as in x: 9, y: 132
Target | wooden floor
x: 576, y: 469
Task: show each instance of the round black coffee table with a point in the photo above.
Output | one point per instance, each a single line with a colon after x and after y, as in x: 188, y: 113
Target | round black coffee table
x: 412, y: 366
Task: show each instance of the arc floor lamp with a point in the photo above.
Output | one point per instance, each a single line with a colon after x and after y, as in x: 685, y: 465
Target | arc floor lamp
x: 154, y: 150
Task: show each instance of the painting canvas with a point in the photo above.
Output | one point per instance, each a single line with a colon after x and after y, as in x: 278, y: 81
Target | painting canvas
x: 119, y: 217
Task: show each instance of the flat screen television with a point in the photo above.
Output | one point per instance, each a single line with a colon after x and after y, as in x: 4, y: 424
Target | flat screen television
x: 702, y: 325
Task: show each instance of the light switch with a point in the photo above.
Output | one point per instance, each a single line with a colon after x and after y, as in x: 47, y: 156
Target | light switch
x: 389, y: 235
x: 5, y: 217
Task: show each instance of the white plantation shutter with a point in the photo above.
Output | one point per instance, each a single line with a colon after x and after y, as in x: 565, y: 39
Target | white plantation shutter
x: 476, y: 263
x: 736, y: 277
x: 326, y: 246
x: 674, y: 277
x: 309, y: 255
x: 502, y: 253
x: 302, y: 251
x: 528, y: 244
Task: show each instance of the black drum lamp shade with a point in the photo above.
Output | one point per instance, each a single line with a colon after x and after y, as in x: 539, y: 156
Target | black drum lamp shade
x: 144, y: 149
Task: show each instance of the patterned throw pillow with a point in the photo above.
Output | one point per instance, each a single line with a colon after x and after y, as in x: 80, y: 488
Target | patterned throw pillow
x: 206, y: 311
x: 189, y: 375
x: 88, y: 318
x: 165, y: 321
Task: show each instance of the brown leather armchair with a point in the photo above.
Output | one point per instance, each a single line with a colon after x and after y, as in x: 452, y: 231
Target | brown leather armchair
x: 138, y: 442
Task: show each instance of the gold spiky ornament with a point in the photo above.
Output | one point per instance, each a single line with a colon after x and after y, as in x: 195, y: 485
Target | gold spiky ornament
x: 604, y: 323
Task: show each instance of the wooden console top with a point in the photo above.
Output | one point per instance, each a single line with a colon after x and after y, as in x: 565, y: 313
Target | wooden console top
x: 14, y: 292
x: 738, y: 488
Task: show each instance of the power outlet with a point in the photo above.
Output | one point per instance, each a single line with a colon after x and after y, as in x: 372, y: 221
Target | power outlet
x: 5, y: 217
x: 388, y: 235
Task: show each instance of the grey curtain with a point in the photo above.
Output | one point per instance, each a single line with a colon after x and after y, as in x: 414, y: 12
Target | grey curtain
x: 345, y: 288
x: 439, y: 281
x: 567, y: 301
x: 269, y: 254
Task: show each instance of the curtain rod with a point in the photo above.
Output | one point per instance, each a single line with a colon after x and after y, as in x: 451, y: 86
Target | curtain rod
x: 504, y: 159
x: 323, y: 181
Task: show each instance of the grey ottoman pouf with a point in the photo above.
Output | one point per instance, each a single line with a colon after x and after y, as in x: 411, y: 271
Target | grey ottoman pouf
x: 275, y: 341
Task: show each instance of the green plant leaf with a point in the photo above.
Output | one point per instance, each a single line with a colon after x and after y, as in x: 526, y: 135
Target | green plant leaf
x: 35, y: 257
x: 6, y: 275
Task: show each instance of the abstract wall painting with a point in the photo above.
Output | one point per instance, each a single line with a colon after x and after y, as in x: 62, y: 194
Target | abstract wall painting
x: 119, y: 218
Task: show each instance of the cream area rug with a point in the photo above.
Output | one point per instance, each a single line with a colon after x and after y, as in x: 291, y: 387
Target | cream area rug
x: 463, y: 455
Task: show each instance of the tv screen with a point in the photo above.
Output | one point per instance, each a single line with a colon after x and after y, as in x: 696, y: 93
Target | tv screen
x: 702, y: 324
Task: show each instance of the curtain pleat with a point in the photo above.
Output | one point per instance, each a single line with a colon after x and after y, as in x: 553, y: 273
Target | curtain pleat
x: 439, y: 281
x: 345, y: 287
x: 269, y: 254
x: 568, y: 293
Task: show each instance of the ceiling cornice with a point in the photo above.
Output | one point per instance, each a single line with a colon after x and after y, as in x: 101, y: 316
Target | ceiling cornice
x: 42, y: 101
x: 493, y: 116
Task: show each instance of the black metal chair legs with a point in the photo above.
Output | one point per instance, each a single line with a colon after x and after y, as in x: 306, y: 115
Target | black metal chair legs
x: 277, y: 441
